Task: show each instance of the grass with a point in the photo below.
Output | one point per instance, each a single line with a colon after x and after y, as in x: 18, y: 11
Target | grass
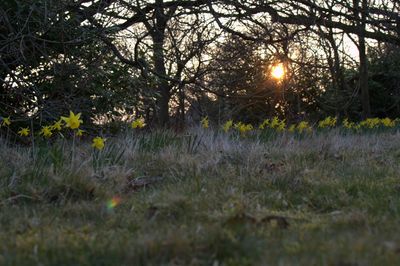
x: 203, y: 199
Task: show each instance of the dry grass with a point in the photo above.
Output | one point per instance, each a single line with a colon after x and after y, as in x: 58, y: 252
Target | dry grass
x: 203, y: 198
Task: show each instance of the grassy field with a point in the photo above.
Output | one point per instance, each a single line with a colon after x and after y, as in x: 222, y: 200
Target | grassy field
x: 203, y: 199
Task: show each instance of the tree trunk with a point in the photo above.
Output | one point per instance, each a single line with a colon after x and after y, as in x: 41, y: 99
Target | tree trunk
x: 163, y: 87
x: 338, y: 78
x: 181, y: 107
x: 363, y: 71
x: 365, y: 101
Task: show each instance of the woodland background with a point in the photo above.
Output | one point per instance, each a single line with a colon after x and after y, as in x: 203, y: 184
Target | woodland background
x: 174, y: 62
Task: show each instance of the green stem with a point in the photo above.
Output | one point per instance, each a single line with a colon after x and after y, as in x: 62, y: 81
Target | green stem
x: 73, y: 150
x: 7, y: 136
x: 33, y: 142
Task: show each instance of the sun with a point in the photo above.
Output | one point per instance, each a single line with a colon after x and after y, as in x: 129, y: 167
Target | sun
x: 278, y: 71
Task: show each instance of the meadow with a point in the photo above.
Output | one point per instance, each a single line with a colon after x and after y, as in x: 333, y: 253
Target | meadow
x: 228, y: 196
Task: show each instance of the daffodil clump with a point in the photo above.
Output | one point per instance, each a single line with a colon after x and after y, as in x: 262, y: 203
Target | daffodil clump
x: 277, y: 124
x: 387, y: 122
x: 370, y: 123
x: 227, y: 126
x: 73, y: 121
x: 138, y: 123
x: 243, y: 128
x: 264, y: 124
x: 304, y: 127
x: 329, y: 122
x: 348, y: 124
x: 274, y: 123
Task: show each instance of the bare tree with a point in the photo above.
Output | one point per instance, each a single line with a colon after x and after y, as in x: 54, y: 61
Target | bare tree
x: 167, y: 40
x: 377, y: 20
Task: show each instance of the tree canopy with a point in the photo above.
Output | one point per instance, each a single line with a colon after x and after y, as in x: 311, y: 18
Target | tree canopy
x: 172, y: 61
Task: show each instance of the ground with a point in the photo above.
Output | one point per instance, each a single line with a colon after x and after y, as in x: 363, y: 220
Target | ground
x: 203, y: 198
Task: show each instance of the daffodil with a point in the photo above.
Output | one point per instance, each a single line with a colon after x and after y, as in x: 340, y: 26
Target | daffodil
x: 387, y: 122
x: 275, y: 122
x: 204, y: 122
x: 281, y: 127
x: 247, y: 128
x: 98, y: 143
x: 24, y: 132
x: 278, y: 125
x: 264, y: 124
x: 6, y: 121
x: 57, y: 125
x: 349, y: 125
x: 46, y: 131
x: 138, y: 123
x: 303, y: 126
x: 227, y: 126
x: 79, y: 132
x: 328, y: 122
x: 243, y: 128
x: 370, y: 123
x: 292, y: 128
x: 73, y: 121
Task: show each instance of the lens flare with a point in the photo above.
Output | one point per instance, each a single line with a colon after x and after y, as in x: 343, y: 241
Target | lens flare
x: 114, y: 202
x: 278, y: 71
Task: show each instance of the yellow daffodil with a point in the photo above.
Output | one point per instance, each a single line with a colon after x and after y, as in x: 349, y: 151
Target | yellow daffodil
x: 278, y: 125
x: 24, y: 132
x: 243, y: 128
x: 264, y: 124
x: 138, y: 123
x: 303, y: 126
x: 98, y: 143
x: 292, y: 128
x: 46, y: 132
x: 57, y: 125
x: 328, y: 122
x: 275, y: 122
x: 370, y: 123
x: 349, y: 125
x: 247, y: 128
x: 6, y: 121
x: 79, y: 132
x: 73, y: 121
x: 227, y: 126
x: 387, y: 122
x: 204, y: 122
x: 281, y: 127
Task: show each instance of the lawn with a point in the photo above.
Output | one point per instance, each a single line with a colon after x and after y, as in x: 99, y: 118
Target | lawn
x: 203, y: 198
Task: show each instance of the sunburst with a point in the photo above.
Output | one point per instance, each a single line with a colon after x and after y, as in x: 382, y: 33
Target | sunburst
x: 278, y: 71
